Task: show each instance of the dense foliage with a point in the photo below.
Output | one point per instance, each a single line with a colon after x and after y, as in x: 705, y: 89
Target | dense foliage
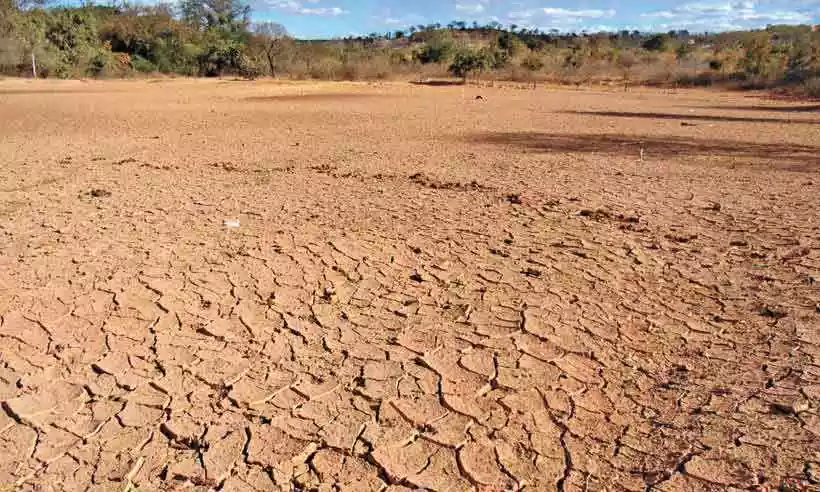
x: 216, y: 37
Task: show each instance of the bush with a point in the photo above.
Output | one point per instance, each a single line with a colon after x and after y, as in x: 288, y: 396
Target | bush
x: 211, y: 38
x: 140, y: 64
x: 811, y: 87
x: 576, y: 58
x: 758, y: 50
x: 509, y: 44
x: 12, y: 54
x: 659, y: 42
x: 98, y: 63
x: 533, y: 62
x: 683, y: 50
x: 467, y: 62
x: 437, y: 50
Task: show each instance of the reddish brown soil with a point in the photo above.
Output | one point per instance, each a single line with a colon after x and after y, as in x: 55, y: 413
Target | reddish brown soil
x: 425, y: 290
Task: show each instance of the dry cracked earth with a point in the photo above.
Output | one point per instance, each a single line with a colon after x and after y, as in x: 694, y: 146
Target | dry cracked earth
x: 268, y: 286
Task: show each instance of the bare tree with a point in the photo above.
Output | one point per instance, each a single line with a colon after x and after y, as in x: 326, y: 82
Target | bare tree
x: 273, y: 37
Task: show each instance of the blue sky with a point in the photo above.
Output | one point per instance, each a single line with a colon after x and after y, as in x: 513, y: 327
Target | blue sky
x: 336, y: 18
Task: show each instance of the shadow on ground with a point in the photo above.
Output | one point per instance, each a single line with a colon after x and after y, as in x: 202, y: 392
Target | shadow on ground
x: 701, y: 117
x: 316, y: 96
x: 782, y: 156
x: 40, y: 92
x: 437, y: 83
x: 774, y: 109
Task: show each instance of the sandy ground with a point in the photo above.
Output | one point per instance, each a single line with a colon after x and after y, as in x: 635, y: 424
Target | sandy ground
x: 424, y: 290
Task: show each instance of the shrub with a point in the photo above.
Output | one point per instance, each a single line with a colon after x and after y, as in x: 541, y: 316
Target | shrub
x: 576, y: 58
x: 510, y: 44
x: 213, y: 37
x: 659, y: 42
x: 97, y: 64
x: 494, y: 58
x: 437, y: 50
x: 626, y: 62
x: 533, y: 62
x: 811, y: 87
x: 140, y: 64
x: 757, y: 48
x: 467, y: 62
x: 683, y: 50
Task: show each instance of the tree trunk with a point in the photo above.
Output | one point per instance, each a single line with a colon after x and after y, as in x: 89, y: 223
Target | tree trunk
x: 271, y: 63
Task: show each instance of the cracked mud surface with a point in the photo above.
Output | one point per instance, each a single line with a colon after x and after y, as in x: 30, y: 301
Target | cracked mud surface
x: 424, y: 290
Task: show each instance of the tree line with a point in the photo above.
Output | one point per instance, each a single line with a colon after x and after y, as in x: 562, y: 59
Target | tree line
x: 218, y: 37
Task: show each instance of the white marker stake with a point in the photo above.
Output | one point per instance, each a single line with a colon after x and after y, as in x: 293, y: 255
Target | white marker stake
x: 33, y: 66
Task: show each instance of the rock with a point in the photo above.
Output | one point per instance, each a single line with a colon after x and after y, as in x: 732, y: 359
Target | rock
x: 719, y: 472
x: 514, y: 198
x: 812, y: 473
x: 184, y: 431
x: 30, y: 408
x: 792, y: 408
x: 270, y: 446
x: 222, y: 454
x: 775, y: 313
x: 136, y: 415
x: 99, y: 193
x: 247, y: 393
x: 113, y: 363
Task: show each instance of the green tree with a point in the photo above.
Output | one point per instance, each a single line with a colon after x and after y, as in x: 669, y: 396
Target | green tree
x: 224, y: 24
x: 9, y: 53
x: 155, y: 40
x: 683, y: 50
x: 658, y: 42
x: 509, y: 43
x: 219, y: 54
x: 8, y: 8
x: 468, y: 62
x: 758, y: 50
x: 803, y: 57
x: 437, y: 50
x: 576, y: 57
x: 231, y: 16
x: 532, y: 63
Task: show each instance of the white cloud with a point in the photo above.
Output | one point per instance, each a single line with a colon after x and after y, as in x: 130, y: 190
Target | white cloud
x: 388, y: 19
x: 322, y: 11
x: 562, y: 19
x: 557, y: 13
x: 694, y: 15
x: 299, y: 8
x: 586, y: 14
x: 472, y: 8
x: 662, y: 14
x: 730, y: 15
